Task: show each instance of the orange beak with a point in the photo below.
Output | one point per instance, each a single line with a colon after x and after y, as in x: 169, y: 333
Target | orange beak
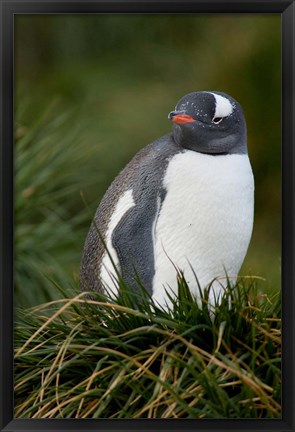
x: 182, y: 118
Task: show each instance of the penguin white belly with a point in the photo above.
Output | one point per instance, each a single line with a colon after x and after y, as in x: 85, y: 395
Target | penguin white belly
x: 205, y: 221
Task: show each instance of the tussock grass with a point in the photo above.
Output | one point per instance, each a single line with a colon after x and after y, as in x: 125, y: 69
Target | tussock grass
x: 95, y: 357
x: 52, y: 165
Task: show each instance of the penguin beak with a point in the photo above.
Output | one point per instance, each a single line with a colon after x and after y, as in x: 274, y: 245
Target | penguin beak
x: 180, y: 117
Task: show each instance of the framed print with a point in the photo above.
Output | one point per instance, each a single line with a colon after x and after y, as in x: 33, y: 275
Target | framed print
x: 147, y: 243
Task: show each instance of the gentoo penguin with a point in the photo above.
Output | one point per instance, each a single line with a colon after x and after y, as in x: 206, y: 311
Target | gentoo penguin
x: 183, y: 202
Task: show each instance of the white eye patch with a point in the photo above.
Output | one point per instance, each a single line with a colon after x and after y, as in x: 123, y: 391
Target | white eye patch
x: 223, y: 107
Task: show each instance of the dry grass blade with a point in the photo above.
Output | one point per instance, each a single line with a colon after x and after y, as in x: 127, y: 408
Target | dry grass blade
x: 95, y: 358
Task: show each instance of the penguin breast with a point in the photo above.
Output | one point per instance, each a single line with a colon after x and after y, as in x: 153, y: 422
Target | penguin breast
x: 205, y: 221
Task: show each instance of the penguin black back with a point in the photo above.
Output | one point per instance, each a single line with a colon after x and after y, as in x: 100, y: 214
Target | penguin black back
x: 131, y: 236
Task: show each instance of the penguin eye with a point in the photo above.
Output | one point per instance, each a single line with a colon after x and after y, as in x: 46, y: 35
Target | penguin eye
x: 217, y: 120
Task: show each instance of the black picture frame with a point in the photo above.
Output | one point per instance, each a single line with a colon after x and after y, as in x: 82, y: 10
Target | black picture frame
x: 9, y: 8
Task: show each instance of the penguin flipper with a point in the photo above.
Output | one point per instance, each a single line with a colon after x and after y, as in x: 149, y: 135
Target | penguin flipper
x: 133, y: 240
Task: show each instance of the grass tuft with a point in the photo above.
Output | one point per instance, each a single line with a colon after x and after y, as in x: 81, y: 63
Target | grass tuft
x: 127, y: 358
x: 53, y: 163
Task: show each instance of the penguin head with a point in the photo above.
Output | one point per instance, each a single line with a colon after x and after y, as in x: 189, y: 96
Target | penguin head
x: 209, y: 122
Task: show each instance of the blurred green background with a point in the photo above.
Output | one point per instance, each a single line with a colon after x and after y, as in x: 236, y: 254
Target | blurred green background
x: 91, y: 90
